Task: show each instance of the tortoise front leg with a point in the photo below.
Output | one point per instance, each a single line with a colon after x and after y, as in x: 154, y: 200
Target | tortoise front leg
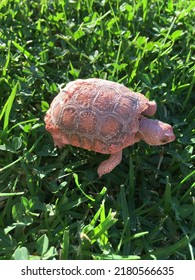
x: 108, y: 165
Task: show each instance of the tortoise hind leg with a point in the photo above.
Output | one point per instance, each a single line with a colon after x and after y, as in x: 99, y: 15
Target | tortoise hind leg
x: 108, y: 165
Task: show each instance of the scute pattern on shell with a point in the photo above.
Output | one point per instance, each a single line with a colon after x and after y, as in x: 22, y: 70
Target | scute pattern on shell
x: 95, y: 114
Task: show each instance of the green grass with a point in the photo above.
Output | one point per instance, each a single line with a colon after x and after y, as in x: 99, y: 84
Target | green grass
x: 52, y: 203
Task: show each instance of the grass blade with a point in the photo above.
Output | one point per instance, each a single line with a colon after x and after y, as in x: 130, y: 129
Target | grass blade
x: 26, y: 53
x: 65, y: 245
x: 163, y: 253
x: 8, y: 106
x: 76, y: 179
x: 8, y: 57
x: 10, y: 194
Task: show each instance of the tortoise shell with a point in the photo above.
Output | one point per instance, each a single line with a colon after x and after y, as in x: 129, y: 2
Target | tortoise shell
x: 97, y: 115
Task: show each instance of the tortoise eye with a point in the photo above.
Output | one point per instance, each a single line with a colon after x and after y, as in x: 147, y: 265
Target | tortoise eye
x: 166, y: 138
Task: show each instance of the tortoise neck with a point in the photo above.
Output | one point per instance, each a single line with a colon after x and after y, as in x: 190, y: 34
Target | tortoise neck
x: 147, y: 131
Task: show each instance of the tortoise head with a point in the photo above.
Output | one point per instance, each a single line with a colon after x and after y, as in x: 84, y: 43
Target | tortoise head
x: 155, y: 132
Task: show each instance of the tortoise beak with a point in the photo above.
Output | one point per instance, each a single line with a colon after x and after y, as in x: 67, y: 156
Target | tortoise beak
x: 169, y: 136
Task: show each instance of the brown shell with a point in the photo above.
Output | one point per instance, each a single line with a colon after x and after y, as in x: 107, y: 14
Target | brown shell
x: 95, y: 114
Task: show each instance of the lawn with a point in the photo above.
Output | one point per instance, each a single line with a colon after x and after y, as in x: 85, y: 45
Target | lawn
x: 52, y: 203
